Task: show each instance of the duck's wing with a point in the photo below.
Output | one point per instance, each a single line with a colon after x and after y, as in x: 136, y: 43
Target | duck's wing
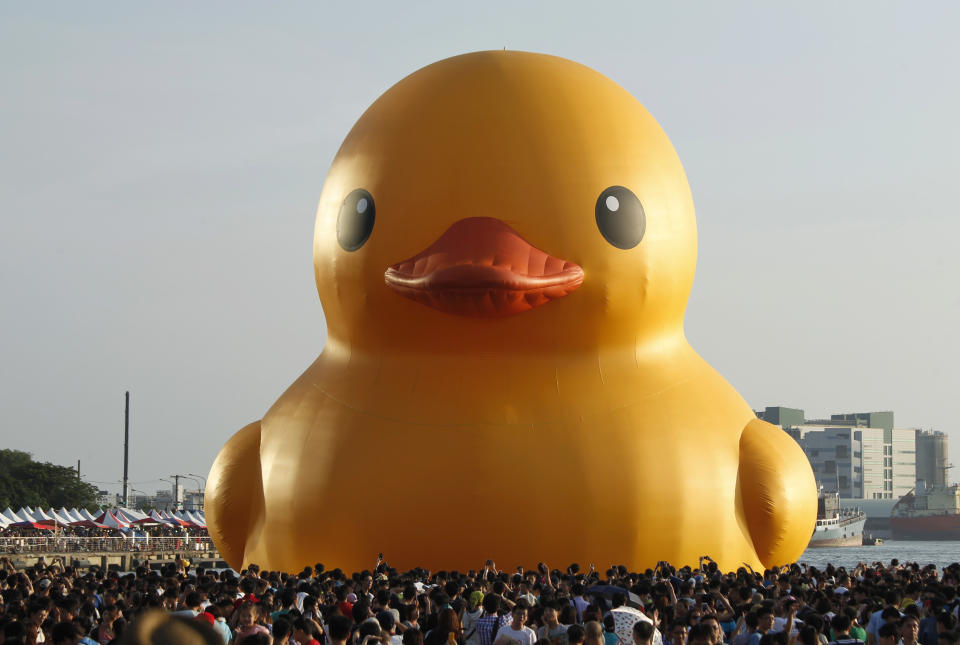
x: 234, y: 496
x: 778, y: 493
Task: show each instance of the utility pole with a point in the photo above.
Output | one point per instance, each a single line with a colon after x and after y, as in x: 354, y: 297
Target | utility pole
x: 176, y: 492
x: 78, y: 469
x: 126, y: 445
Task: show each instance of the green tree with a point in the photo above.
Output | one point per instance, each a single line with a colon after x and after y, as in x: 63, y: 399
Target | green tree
x: 25, y: 482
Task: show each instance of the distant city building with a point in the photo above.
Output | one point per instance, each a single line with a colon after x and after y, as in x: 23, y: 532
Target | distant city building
x: 932, y: 461
x: 162, y: 499
x: 864, y: 419
x: 170, y: 499
x: 107, y: 499
x: 859, y: 455
x: 193, y: 500
x: 786, y: 418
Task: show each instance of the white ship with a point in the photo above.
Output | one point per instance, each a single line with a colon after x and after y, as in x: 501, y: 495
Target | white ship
x: 837, y: 526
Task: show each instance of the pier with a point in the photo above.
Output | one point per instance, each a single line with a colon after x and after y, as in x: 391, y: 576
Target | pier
x: 110, y: 553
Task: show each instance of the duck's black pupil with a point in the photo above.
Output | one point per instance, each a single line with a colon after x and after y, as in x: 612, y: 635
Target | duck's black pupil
x: 355, y: 222
x: 620, y: 217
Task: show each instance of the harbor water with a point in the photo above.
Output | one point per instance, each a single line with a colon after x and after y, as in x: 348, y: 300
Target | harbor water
x: 922, y: 552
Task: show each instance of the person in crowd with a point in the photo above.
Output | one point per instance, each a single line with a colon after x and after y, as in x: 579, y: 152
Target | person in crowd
x: 107, y: 629
x: 388, y: 624
x: 576, y: 634
x: 643, y: 633
x: 305, y: 631
x: 413, y: 637
x: 609, y: 630
x: 281, y: 631
x: 550, y: 627
x: 677, y: 635
x: 702, y: 634
x: 841, y: 631
x: 888, y: 634
x: 713, y: 623
x: 339, y: 629
x: 765, y: 622
x: 492, y: 620
x: 593, y: 633
x: 248, y: 623
x: 472, y: 613
x: 517, y: 629
x: 909, y: 628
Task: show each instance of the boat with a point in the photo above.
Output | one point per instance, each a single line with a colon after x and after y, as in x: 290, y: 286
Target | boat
x: 837, y: 526
x: 869, y: 540
x: 927, y: 514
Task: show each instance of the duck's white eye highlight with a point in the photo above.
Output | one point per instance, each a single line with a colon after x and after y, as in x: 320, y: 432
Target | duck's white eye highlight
x: 612, y: 204
x: 362, y: 204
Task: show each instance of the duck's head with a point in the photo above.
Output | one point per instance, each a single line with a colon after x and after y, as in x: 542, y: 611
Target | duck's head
x: 504, y: 199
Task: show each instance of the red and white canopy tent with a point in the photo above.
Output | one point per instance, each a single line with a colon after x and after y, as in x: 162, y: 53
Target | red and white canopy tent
x: 154, y: 518
x: 110, y: 520
x: 174, y: 519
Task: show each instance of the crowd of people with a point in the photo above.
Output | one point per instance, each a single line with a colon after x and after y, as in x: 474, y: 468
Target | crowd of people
x: 877, y: 604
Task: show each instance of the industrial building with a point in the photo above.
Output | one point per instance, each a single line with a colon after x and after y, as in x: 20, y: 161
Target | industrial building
x: 932, y: 460
x: 864, y: 458
x: 860, y: 455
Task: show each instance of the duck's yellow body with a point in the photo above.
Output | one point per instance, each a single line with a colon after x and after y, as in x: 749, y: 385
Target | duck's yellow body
x: 504, y: 249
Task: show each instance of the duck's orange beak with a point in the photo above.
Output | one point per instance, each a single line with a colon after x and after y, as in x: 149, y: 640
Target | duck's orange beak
x: 482, y: 267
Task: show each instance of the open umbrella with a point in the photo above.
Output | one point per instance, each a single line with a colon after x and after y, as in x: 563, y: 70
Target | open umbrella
x: 47, y: 525
x: 624, y: 618
x: 608, y: 591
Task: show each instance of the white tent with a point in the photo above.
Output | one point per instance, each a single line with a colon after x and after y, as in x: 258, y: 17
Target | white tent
x: 69, y: 514
x: 62, y: 520
x: 173, y: 518
x: 75, y: 516
x: 40, y: 515
x: 129, y: 514
x: 87, y: 515
x: 12, y: 516
x: 195, y: 520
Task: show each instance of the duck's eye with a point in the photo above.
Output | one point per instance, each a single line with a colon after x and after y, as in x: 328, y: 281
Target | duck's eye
x: 620, y: 217
x: 355, y: 222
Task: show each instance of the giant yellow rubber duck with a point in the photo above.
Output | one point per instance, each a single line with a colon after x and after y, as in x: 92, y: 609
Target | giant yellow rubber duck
x: 504, y: 249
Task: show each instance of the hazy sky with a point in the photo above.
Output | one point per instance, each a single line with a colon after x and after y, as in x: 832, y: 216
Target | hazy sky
x: 160, y: 168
